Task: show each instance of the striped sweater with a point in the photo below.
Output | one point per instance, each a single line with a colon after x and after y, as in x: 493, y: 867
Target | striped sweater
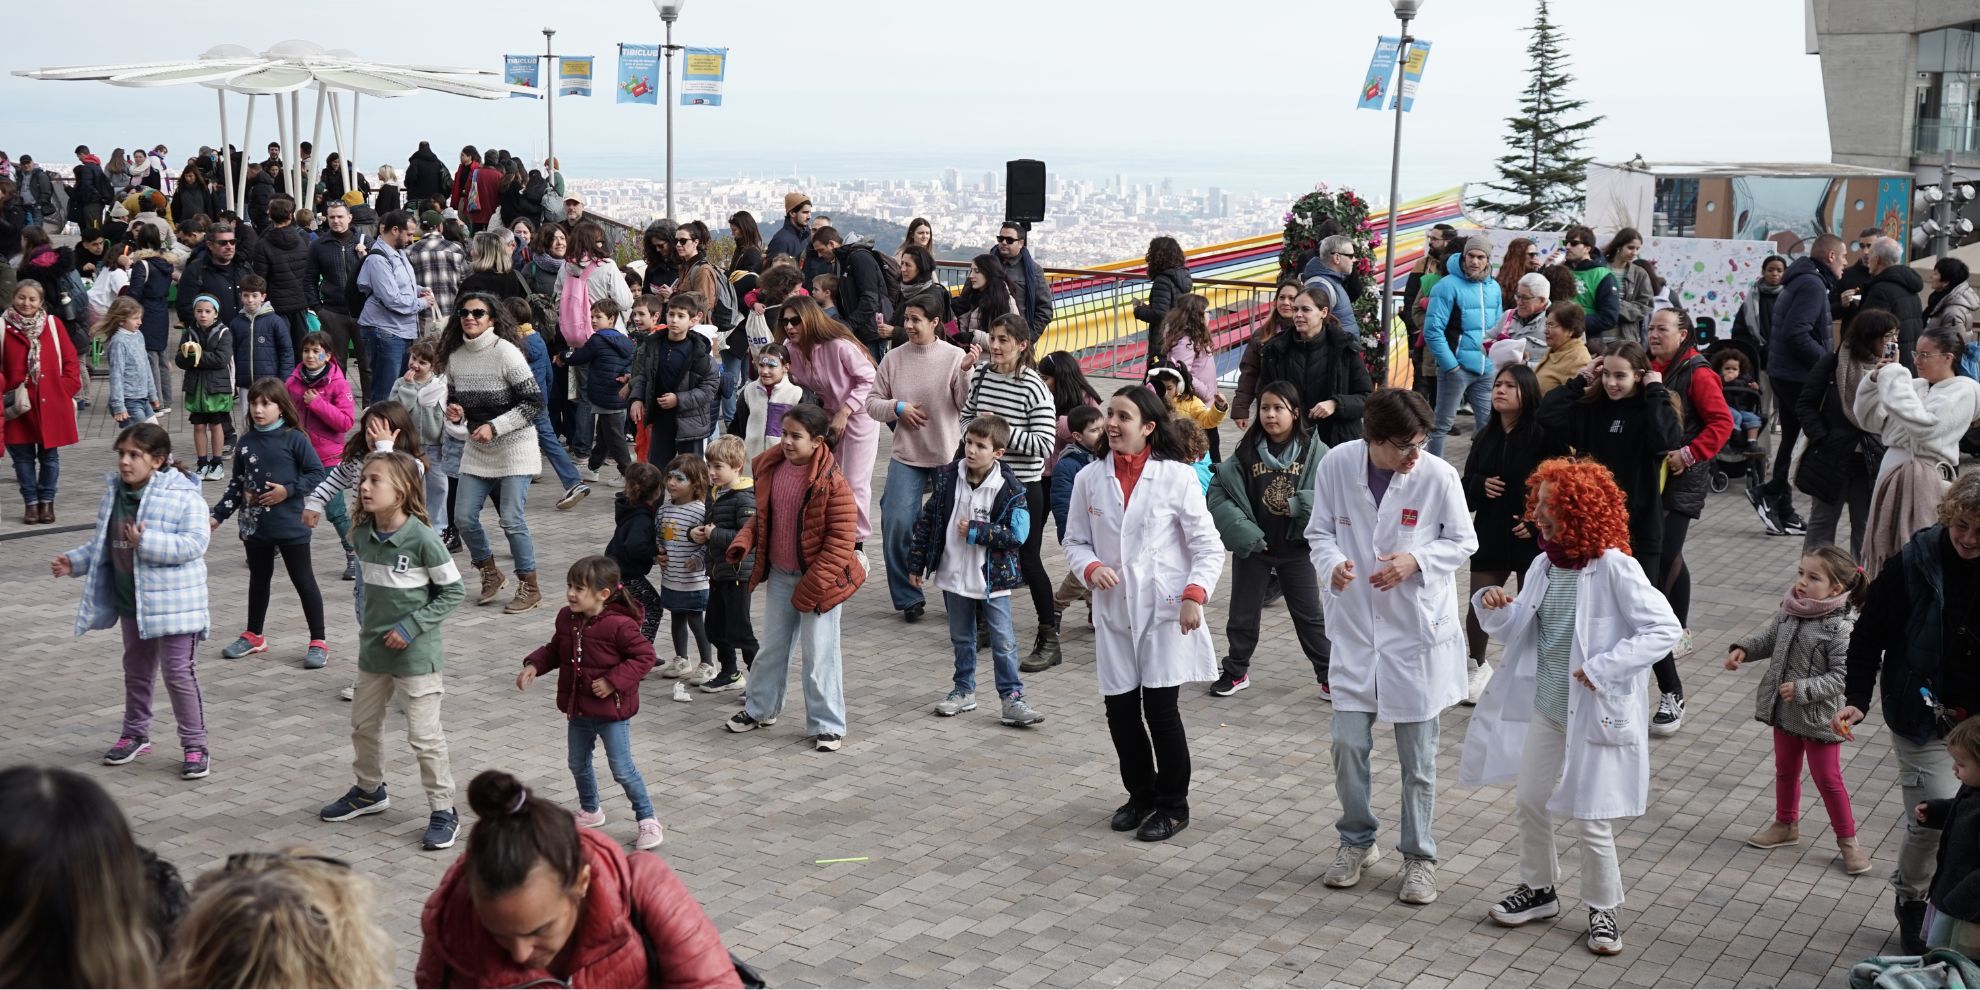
x: 1024, y: 402
x: 410, y: 585
x: 686, y: 568
x: 489, y: 378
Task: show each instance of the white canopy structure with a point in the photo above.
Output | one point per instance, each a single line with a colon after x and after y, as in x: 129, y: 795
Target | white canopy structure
x: 288, y: 68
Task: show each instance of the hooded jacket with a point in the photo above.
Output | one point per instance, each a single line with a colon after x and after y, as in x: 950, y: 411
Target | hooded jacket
x: 260, y: 192
x: 1474, y: 304
x: 1030, y: 279
x: 330, y: 417
x: 262, y: 346
x: 610, y: 353
x: 582, y: 651
x: 282, y: 257
x: 1598, y: 294
x: 830, y: 575
x: 635, y: 543
x: 1629, y: 436
x: 1895, y: 290
x: 608, y: 951
x: 1164, y: 288
x: 151, y: 286
x: 1801, y: 321
x: 1954, y: 309
x: 1001, y: 536
x: 206, y: 276
x: 426, y: 177
x: 730, y: 511
x: 169, y: 565
x: 331, y: 262
x: 1318, y: 271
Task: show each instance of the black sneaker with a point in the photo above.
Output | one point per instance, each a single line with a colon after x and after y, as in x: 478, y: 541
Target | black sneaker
x: 1670, y: 715
x: 914, y: 612
x: 828, y: 742
x: 1604, y: 935
x: 452, y: 538
x: 1791, y: 522
x: 441, y: 828
x: 1225, y: 686
x: 742, y: 722
x: 1769, y: 516
x: 196, y: 765
x: 1525, y: 904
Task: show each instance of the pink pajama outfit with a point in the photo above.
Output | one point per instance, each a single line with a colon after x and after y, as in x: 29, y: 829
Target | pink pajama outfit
x: 840, y: 373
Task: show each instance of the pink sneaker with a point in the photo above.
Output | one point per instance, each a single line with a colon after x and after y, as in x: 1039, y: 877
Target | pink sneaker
x: 590, y: 819
x: 649, y: 834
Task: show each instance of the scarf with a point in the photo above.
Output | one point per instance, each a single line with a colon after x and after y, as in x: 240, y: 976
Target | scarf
x: 1751, y: 309
x: 313, y: 380
x: 31, y: 329
x: 1849, y: 375
x: 1813, y: 608
x: 1293, y: 449
x: 1559, y: 556
x: 268, y: 427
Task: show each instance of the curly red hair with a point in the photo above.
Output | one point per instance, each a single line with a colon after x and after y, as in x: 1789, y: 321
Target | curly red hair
x: 1590, y: 507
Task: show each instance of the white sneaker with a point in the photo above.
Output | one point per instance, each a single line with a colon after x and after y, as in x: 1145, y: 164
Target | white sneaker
x: 650, y: 834
x: 1326, y: 694
x: 589, y: 819
x: 617, y: 479
x: 349, y: 692
x: 1348, y: 864
x: 589, y: 474
x: 702, y: 674
x: 1481, y: 675
x: 1684, y: 647
x: 677, y: 667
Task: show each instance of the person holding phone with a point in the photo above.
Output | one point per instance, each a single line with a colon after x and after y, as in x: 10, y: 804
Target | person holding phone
x: 1920, y: 420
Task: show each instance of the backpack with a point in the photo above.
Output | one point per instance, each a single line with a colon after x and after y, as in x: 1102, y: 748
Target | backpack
x: 355, y: 296
x: 542, y: 311
x: 722, y: 310
x: 72, y: 298
x: 891, y: 294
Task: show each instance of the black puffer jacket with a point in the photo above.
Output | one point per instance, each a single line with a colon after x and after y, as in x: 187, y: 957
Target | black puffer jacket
x: 426, y: 177
x: 1163, y: 290
x: 260, y: 192
x: 204, y: 276
x: 1835, y: 445
x: 1327, y: 366
x: 282, y: 257
x: 634, y: 544
x: 330, y: 258
x: 730, y: 514
x: 1629, y: 436
x: 1895, y: 290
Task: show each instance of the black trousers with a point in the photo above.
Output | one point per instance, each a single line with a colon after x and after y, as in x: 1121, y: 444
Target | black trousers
x: 728, y: 623
x: 261, y: 572
x: 1030, y: 564
x: 341, y: 329
x: 1154, y: 753
x: 1250, y: 576
x: 1786, y: 394
x: 1674, y: 581
x: 608, y: 441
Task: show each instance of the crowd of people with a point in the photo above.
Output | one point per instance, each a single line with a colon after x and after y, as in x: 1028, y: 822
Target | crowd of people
x: 740, y: 409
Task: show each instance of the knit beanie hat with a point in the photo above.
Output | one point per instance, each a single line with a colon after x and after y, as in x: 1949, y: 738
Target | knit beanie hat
x: 1479, y: 242
x: 794, y: 200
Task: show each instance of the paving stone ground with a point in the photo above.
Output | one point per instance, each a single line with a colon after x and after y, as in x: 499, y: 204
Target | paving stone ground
x: 987, y: 857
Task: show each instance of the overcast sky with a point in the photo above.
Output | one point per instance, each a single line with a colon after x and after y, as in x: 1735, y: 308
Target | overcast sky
x: 1260, y: 90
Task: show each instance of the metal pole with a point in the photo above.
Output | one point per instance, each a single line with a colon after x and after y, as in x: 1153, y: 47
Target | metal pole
x: 298, y: 173
x: 549, y: 104
x: 670, y: 117
x: 1944, y: 211
x: 247, y: 138
x: 1395, y: 177
x: 316, y: 133
x: 226, y: 152
x: 287, y: 187
x: 350, y: 160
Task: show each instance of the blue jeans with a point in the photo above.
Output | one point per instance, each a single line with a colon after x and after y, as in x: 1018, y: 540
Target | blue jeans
x: 436, y: 487
x: 510, y: 495
x: 900, y: 504
x: 617, y: 737
x: 1743, y: 420
x: 1451, y: 386
x: 27, y: 457
x: 385, y: 354
x: 785, y: 628
x: 560, y: 459
x: 732, y: 379
x: 139, y: 410
x: 1416, y: 752
x: 996, y: 612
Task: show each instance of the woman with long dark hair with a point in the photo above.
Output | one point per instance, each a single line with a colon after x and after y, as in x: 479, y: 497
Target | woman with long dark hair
x: 1841, y: 456
x: 987, y: 294
x: 1635, y: 282
x: 748, y: 256
x: 1320, y: 358
x: 1510, y: 446
x: 1005, y: 383
x: 698, y: 274
x: 1141, y: 539
x: 492, y: 402
x: 656, y: 248
x: 920, y: 234
x: 829, y: 361
x: 1168, y: 283
x: 1522, y: 257
x: 1069, y: 387
x: 918, y: 272
x: 1276, y: 319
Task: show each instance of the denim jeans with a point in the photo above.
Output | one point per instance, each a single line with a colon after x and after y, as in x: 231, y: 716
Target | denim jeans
x: 436, y: 488
x: 963, y: 611
x: 617, y: 736
x: 900, y: 505
x: 37, y: 468
x: 510, y: 495
x: 1454, y: 385
x: 1416, y: 752
x: 560, y: 459
x: 161, y: 376
x: 139, y: 411
x: 338, y: 511
x: 386, y: 354
x: 784, y: 629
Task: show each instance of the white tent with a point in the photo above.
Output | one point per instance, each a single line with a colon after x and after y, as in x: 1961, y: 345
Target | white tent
x: 287, y: 69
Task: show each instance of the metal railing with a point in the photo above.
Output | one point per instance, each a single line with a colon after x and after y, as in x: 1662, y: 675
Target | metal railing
x: 1938, y: 135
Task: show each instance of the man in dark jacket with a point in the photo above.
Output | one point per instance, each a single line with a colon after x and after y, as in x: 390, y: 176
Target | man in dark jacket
x: 1843, y: 299
x: 1894, y: 288
x: 333, y: 260
x: 37, y: 190
x: 282, y: 257
x: 1334, y: 266
x: 1801, y: 337
x: 92, y: 195
x: 1915, y: 633
x: 790, y: 239
x: 426, y: 177
x: 862, y: 293
x: 216, y: 272
x: 1034, y: 295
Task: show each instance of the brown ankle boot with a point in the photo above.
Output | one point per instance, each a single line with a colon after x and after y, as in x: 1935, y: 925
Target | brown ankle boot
x: 491, y: 581
x: 527, y: 597
x: 1776, y: 834
x: 32, y: 514
x: 48, y: 513
x: 1855, y: 861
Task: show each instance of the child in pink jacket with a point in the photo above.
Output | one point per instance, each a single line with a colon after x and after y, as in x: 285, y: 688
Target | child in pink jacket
x: 323, y: 396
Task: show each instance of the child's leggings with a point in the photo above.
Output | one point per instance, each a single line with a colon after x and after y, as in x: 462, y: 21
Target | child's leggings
x: 1825, y: 765
x: 144, y: 661
x: 684, y: 623
x: 261, y: 571
x: 648, y: 597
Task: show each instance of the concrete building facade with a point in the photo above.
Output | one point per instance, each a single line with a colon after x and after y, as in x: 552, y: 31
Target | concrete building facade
x: 1902, y: 82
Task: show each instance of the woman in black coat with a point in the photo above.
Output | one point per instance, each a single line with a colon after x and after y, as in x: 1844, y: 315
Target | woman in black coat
x: 1168, y: 281
x: 1321, y: 359
x: 1503, y: 454
x: 1840, y: 461
x: 1627, y: 423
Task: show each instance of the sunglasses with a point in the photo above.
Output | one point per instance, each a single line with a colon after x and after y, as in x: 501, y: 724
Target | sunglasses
x: 1001, y: 239
x: 471, y: 313
x: 793, y: 321
x: 229, y: 242
x: 683, y: 240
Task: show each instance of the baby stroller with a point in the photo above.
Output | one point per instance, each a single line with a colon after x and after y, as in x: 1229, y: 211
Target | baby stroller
x: 1739, y: 458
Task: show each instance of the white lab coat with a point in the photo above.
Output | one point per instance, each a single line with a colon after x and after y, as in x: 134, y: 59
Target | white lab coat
x: 1397, y: 653
x: 1162, y: 542
x: 1622, y: 625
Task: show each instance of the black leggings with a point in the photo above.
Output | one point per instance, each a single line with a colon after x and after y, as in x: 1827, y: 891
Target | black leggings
x: 686, y: 622
x: 1155, y: 756
x: 648, y: 597
x: 261, y: 572
x: 1029, y: 562
x: 1674, y: 580
x: 1786, y: 394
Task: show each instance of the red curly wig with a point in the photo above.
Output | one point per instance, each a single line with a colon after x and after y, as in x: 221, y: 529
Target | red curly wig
x: 1590, y: 507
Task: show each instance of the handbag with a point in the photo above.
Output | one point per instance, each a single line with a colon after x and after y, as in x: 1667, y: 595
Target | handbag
x: 20, y: 398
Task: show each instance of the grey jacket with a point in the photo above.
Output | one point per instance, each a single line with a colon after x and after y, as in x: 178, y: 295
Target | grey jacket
x: 1814, y: 655
x: 130, y: 370
x: 1638, y: 298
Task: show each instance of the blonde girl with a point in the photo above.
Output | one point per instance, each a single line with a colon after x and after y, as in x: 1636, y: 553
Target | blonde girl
x: 131, y: 387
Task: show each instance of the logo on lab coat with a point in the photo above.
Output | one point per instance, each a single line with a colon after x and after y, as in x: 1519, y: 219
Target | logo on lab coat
x: 1409, y: 517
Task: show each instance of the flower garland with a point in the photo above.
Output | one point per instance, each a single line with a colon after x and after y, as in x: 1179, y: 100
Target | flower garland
x: 1324, y: 212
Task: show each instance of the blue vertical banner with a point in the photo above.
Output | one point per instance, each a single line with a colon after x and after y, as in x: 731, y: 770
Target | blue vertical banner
x: 639, y: 74
x: 1419, y: 53
x: 1381, y: 74
x: 702, y: 70
x: 574, y: 76
x: 520, y: 70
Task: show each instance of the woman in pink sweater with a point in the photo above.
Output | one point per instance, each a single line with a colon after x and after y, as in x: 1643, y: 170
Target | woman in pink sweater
x: 323, y: 397
x: 838, y: 369
x: 920, y: 388
x: 1186, y: 343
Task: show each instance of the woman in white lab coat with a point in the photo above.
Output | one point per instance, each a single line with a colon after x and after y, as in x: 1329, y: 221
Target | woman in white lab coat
x: 1389, y: 532
x: 1566, y: 715
x: 1140, y: 537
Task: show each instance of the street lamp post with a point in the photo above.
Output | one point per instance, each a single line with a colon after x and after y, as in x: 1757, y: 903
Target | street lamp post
x: 1405, y: 12
x: 549, y: 100
x: 670, y: 11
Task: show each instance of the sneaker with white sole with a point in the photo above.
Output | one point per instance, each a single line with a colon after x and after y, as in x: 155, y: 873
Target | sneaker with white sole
x: 349, y: 693
x: 650, y: 834
x: 742, y: 722
x: 573, y: 495
x: 247, y: 644
x: 1326, y: 694
x: 1227, y: 686
x: 196, y: 766
x: 317, y: 656
x: 1684, y: 647
x: 956, y: 703
x: 589, y: 474
x: 355, y: 802
x: 1525, y: 904
x: 441, y: 829
x: 589, y: 819
x: 1348, y: 864
x: 701, y: 674
x: 1604, y: 935
x: 827, y: 742
x: 731, y: 681
x: 1670, y: 715
x: 677, y: 667
x: 1481, y: 675
x: 1019, y: 713
x: 1419, y: 882
x: 127, y: 749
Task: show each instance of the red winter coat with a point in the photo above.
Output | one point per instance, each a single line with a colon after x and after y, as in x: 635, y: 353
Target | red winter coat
x: 612, y: 648
x: 52, y: 420
x: 605, y: 951
x: 327, y: 420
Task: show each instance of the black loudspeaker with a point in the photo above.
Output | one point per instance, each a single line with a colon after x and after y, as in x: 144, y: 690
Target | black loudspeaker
x: 1024, y: 190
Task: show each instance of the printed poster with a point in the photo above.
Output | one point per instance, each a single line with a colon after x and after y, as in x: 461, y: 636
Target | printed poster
x: 574, y: 76
x: 1381, y: 72
x: 1419, y: 53
x: 702, y: 70
x: 520, y: 70
x: 639, y: 74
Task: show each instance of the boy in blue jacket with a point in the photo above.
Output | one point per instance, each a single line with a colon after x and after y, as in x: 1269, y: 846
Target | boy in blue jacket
x: 262, y: 345
x: 1462, y: 307
x: 609, y: 352
x: 968, y: 538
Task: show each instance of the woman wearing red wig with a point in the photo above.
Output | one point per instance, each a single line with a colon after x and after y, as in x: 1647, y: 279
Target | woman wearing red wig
x: 1566, y: 717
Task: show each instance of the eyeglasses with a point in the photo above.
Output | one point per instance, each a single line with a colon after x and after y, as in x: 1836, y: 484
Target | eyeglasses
x: 263, y: 860
x: 1001, y: 239
x: 1408, y: 449
x: 1921, y: 355
x: 476, y: 313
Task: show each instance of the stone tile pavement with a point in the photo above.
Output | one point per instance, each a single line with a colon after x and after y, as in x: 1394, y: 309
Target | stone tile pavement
x: 987, y: 859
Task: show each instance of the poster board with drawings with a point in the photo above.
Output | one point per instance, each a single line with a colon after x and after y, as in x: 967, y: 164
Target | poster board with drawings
x: 1706, y: 277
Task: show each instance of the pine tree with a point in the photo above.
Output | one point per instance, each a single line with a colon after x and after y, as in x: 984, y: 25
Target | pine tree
x: 1541, y: 180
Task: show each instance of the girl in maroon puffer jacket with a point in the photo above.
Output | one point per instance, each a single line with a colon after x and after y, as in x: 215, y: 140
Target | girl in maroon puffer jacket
x: 600, y: 658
